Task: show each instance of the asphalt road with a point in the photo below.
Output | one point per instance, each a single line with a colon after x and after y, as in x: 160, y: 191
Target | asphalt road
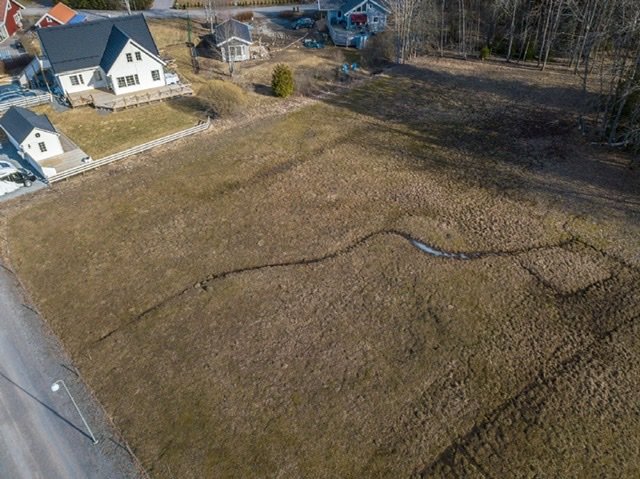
x: 41, y: 434
x: 162, y: 9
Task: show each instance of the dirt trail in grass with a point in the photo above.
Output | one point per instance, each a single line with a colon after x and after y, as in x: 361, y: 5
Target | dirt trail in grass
x: 269, y: 302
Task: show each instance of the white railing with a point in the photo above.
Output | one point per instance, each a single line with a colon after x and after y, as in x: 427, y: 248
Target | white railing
x: 38, y: 99
x: 131, y: 151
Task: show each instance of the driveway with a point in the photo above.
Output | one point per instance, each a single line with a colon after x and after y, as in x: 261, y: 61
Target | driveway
x: 41, y: 434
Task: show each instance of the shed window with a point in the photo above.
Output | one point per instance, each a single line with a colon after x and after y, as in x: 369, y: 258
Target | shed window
x: 129, y: 57
x: 138, y: 56
x: 42, y: 146
x: 155, y: 75
x: 375, y: 19
x: 339, y: 14
x: 121, y: 82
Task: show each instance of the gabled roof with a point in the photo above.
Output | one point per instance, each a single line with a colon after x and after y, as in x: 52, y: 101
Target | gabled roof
x: 4, y: 6
x: 62, y: 13
x: 116, y: 42
x: 83, y: 45
x: 232, y: 29
x: 18, y: 122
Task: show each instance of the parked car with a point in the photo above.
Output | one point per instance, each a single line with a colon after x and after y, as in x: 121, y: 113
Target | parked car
x: 304, y: 22
x: 8, y: 172
x: 311, y: 43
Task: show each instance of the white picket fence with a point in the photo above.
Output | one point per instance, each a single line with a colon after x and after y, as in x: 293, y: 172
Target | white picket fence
x: 38, y: 99
x: 131, y: 151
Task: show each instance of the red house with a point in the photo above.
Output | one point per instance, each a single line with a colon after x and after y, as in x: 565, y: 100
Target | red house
x: 60, y: 14
x: 10, y: 18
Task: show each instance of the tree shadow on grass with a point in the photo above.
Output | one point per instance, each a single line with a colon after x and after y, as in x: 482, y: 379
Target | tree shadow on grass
x: 514, y: 133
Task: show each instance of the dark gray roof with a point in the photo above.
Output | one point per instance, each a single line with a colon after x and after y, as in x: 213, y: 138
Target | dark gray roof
x: 83, y: 45
x: 18, y: 122
x: 232, y: 28
x: 116, y: 42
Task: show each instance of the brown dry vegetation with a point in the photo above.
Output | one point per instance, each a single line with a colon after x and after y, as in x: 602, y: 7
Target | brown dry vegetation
x: 248, y: 304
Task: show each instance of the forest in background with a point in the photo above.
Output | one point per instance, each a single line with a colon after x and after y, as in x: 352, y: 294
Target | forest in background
x: 596, y: 39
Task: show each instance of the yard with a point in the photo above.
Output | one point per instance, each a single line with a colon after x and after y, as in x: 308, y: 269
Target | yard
x: 100, y: 134
x: 255, y: 305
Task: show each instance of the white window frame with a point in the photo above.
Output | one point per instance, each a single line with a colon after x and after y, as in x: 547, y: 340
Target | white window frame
x: 138, y: 56
x: 122, y: 83
x: 155, y: 75
x: 129, y: 57
x: 74, y: 80
x: 43, y: 147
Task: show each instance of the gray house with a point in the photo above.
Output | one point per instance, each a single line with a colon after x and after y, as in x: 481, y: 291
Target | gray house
x: 233, y: 40
x: 352, y: 22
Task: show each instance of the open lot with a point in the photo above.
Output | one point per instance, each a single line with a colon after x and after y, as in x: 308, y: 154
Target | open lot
x: 253, y: 306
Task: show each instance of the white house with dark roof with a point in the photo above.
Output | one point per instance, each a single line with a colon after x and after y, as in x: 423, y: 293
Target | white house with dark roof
x: 233, y: 40
x: 31, y: 134
x: 115, y: 54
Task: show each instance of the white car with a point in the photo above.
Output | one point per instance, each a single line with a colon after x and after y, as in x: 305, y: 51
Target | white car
x: 9, y: 173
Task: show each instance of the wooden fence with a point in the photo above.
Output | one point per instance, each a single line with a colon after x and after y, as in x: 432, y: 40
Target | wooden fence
x: 25, y: 101
x: 131, y: 151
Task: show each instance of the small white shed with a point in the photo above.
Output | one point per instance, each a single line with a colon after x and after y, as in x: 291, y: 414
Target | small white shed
x: 31, y: 134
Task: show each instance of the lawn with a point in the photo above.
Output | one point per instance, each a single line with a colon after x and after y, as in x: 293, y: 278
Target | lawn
x: 100, y: 134
x: 254, y: 305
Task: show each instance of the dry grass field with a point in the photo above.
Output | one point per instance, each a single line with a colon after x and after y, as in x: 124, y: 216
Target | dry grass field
x: 251, y: 304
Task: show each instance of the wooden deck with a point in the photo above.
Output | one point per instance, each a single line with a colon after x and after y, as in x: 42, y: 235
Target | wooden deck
x: 107, y: 100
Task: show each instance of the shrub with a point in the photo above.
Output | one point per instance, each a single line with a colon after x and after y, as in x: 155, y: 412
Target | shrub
x: 379, y: 50
x: 244, y: 16
x: 222, y: 98
x: 282, y: 81
x: 485, y: 53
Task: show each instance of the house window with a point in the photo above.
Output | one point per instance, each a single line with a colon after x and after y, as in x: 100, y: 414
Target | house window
x: 121, y: 82
x: 132, y: 80
x: 74, y: 80
x: 42, y: 146
x: 155, y: 75
x: 138, y: 56
x: 81, y: 79
x: 37, y: 135
x: 375, y: 19
x: 339, y: 14
x: 129, y: 57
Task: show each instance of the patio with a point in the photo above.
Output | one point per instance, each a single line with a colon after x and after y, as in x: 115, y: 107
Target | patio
x: 72, y: 157
x: 107, y: 100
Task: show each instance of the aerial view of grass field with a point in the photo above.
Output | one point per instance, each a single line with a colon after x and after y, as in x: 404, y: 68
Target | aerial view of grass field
x: 431, y: 273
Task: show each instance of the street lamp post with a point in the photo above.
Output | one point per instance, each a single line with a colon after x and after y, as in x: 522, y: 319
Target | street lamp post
x: 55, y: 387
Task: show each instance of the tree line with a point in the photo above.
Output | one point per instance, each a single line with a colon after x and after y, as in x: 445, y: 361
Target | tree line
x: 596, y: 39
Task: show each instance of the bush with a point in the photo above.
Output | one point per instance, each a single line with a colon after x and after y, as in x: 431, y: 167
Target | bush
x: 379, y: 50
x: 282, y: 81
x: 485, y: 53
x: 244, y: 16
x: 223, y: 98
